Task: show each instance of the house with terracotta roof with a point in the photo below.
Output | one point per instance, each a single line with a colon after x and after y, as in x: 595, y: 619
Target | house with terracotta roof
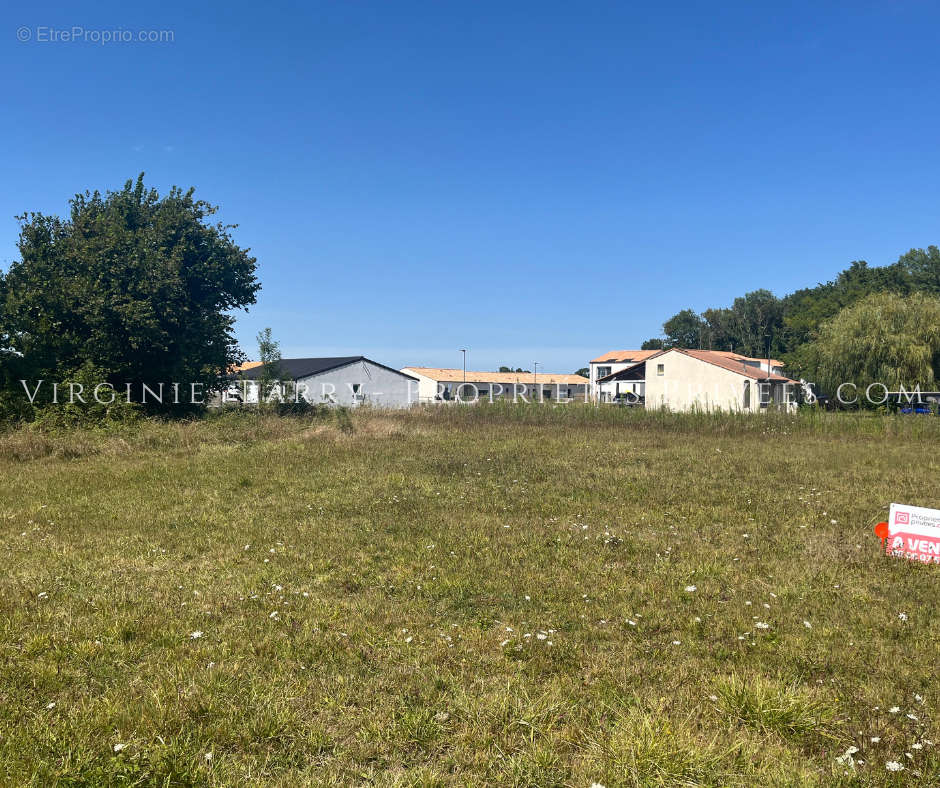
x: 615, y: 361
x: 439, y: 384
x: 680, y: 379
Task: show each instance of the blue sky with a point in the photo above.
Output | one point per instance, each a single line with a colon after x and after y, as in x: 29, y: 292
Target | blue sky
x: 534, y: 181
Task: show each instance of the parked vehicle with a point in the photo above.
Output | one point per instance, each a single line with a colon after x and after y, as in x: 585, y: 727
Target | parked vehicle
x: 921, y: 408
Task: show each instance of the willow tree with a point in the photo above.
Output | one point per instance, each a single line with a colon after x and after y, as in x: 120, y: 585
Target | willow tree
x: 885, y: 338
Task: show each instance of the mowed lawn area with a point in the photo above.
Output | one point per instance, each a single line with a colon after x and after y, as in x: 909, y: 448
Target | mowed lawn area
x: 505, y: 596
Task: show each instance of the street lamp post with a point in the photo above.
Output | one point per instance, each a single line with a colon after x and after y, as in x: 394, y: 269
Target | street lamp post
x: 535, y: 377
x: 464, y: 351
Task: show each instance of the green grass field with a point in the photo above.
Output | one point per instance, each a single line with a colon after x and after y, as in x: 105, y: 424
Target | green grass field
x: 503, y: 596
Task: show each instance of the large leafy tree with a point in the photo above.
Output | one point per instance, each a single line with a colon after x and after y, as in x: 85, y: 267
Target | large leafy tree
x: 755, y: 320
x: 806, y: 310
x: 684, y: 330
x: 717, y: 330
x: 885, y: 338
x: 922, y: 266
x: 138, y: 285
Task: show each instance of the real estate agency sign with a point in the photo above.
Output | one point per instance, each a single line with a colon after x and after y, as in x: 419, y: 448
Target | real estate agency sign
x: 914, y: 533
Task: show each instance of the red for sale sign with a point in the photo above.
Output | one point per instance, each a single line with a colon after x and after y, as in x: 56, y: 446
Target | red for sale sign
x: 914, y: 533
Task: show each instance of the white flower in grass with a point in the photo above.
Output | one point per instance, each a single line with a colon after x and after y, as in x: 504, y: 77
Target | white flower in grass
x: 894, y: 710
x: 912, y: 717
x: 409, y: 639
x: 894, y: 766
x: 208, y: 756
x: 902, y: 616
x: 762, y: 625
x: 875, y: 739
x: 596, y: 785
x: 677, y: 642
x: 195, y: 635
x: 846, y: 757
x: 917, y: 746
x: 50, y: 705
x: 631, y: 622
x: 541, y: 636
x: 119, y: 746
x: 275, y: 615
x: 691, y: 589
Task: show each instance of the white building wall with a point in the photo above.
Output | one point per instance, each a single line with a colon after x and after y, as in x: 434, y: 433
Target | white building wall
x: 604, y: 391
x: 359, y: 383
x: 687, y: 383
x: 427, y: 387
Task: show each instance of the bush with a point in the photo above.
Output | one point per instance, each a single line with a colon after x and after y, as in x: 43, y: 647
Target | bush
x: 81, y: 407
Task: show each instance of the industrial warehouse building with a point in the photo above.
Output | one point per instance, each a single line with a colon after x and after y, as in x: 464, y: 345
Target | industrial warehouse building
x: 436, y: 384
x: 338, y: 380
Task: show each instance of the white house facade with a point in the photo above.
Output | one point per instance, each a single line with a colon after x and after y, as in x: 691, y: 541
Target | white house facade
x: 609, y: 363
x: 709, y: 380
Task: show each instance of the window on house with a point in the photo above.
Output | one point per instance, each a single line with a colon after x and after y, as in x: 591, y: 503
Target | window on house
x: 660, y: 369
x: 766, y: 393
x: 603, y: 372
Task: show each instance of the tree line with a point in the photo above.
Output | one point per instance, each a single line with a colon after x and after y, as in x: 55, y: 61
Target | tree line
x: 868, y: 324
x: 132, y: 287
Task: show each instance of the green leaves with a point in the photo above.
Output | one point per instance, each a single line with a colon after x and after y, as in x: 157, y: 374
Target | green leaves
x: 885, y: 338
x: 136, y: 284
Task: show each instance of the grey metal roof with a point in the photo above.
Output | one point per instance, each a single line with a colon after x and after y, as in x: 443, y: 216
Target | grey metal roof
x: 296, y: 368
